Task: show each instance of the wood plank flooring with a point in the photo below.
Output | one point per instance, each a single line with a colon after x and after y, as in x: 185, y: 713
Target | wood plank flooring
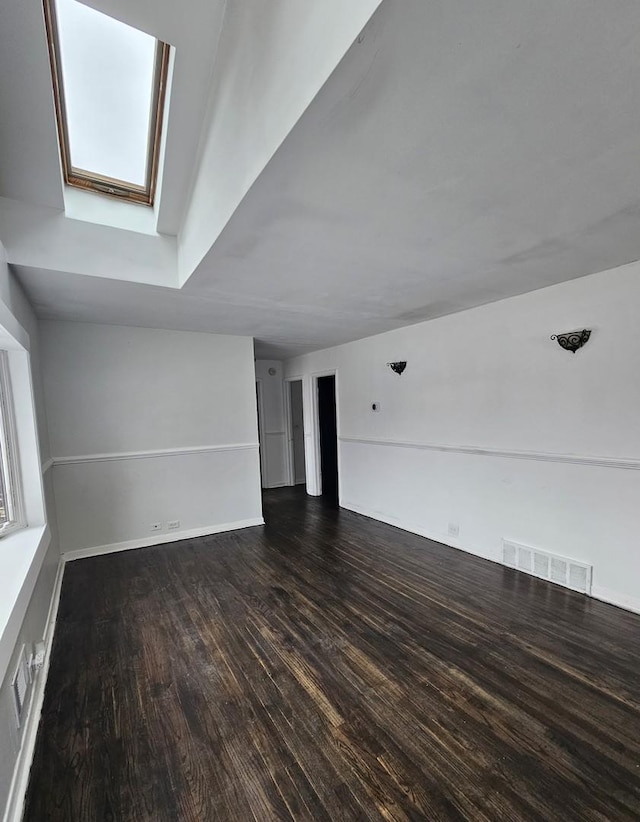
x: 329, y: 667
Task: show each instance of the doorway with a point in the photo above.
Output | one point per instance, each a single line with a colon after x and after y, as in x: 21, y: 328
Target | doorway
x: 296, y: 434
x: 328, y: 435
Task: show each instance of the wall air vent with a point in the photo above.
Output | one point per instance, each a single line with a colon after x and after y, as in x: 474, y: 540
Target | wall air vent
x: 541, y: 564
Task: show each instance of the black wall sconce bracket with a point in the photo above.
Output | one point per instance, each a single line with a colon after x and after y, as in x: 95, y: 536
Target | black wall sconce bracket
x: 572, y: 340
x: 397, y: 367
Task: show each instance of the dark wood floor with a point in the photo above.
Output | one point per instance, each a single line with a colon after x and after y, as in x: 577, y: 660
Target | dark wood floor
x: 328, y: 667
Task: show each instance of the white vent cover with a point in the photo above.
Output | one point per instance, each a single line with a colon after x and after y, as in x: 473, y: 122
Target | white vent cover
x: 20, y: 684
x: 558, y: 569
x: 509, y: 554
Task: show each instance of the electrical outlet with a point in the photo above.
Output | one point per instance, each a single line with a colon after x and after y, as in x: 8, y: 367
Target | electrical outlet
x: 454, y: 529
x: 156, y: 526
x: 173, y: 524
x: 38, y: 658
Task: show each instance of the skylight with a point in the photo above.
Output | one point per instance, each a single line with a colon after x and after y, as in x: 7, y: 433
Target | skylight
x: 109, y: 81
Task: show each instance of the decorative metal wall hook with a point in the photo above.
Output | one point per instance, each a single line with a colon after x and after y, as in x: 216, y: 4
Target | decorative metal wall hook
x: 397, y: 367
x: 572, y: 340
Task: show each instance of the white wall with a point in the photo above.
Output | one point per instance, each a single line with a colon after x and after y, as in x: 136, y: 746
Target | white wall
x: 273, y: 445
x: 28, y: 559
x: 149, y: 426
x: 496, y: 429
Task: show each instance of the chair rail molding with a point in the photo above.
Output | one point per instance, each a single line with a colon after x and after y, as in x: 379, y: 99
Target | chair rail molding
x: 164, y: 452
x: 480, y: 451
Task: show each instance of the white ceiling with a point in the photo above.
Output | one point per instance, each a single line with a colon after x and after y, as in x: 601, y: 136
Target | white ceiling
x: 460, y: 153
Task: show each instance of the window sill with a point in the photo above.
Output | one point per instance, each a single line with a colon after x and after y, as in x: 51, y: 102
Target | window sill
x: 21, y: 555
x: 14, y: 528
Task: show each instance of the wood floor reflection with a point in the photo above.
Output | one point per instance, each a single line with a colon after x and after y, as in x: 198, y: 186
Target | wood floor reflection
x: 329, y: 667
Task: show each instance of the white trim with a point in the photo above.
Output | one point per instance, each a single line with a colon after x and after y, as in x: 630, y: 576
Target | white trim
x: 262, y: 452
x: 160, y: 539
x: 315, y: 429
x: 9, y: 453
x: 325, y: 372
x: 541, y: 456
x: 288, y: 427
x: 46, y: 466
x: 442, y: 539
x: 13, y: 336
x: 164, y: 452
x: 30, y: 545
x: 605, y: 595
x: 614, y: 598
x: 20, y: 780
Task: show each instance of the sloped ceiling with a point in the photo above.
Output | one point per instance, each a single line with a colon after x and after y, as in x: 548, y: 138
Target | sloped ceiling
x: 459, y: 154
x: 29, y: 160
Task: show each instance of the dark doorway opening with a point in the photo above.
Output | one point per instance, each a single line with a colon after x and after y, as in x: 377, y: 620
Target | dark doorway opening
x: 328, y: 429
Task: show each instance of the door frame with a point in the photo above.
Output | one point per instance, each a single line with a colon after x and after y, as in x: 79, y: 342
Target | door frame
x: 261, y: 433
x: 315, y: 430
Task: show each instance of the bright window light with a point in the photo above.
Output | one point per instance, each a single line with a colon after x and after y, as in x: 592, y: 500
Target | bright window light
x: 109, y: 82
x: 11, y: 509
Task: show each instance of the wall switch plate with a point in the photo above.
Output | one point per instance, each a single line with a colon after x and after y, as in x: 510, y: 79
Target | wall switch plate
x: 173, y: 524
x: 156, y: 526
x: 454, y: 529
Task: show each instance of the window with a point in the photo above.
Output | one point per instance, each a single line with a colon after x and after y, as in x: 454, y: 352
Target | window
x: 109, y: 83
x: 11, y: 512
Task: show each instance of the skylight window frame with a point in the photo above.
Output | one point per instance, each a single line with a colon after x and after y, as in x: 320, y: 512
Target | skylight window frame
x: 91, y: 181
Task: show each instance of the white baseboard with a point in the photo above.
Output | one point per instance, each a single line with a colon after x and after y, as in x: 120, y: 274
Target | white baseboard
x: 442, y: 539
x: 614, y: 598
x: 597, y: 592
x: 160, y: 539
x: 20, y: 780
